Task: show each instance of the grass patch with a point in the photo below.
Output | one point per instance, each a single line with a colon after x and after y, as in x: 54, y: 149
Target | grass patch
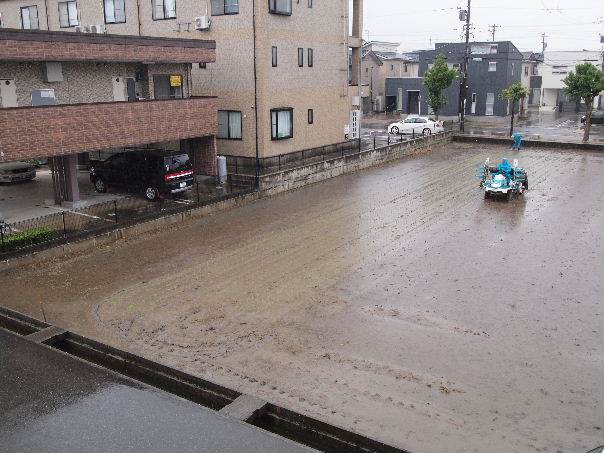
x: 29, y: 237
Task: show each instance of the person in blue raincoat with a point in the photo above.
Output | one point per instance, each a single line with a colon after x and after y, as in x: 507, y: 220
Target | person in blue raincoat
x: 517, y: 137
x: 505, y: 168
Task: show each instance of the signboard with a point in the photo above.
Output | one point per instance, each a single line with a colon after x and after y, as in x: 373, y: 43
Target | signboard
x: 175, y: 80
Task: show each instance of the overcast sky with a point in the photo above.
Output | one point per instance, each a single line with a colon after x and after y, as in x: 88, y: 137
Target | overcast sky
x: 568, y: 24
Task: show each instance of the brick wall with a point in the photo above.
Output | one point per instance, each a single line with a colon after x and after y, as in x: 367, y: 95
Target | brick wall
x: 62, y: 46
x: 202, y: 151
x: 66, y: 129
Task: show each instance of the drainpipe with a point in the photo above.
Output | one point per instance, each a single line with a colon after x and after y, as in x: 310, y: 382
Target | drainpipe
x: 256, y: 95
x: 46, y: 11
x: 138, y: 16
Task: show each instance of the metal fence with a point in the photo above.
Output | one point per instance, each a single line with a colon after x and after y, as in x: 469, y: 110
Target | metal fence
x: 61, y: 227
x: 242, y: 165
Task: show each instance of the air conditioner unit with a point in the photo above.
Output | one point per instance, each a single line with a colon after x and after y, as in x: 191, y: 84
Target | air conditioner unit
x: 99, y: 28
x: 80, y: 29
x: 202, y: 23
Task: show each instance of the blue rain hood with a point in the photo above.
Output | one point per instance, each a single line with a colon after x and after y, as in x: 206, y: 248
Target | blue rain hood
x: 504, y: 166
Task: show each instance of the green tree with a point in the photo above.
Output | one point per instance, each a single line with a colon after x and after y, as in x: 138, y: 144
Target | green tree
x: 585, y: 83
x: 436, y: 79
x: 513, y: 94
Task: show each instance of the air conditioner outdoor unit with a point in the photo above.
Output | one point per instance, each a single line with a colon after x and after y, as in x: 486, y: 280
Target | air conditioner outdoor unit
x: 80, y: 29
x: 202, y: 23
x: 99, y: 28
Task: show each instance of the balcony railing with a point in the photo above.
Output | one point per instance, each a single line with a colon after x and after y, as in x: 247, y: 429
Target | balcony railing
x: 40, y: 45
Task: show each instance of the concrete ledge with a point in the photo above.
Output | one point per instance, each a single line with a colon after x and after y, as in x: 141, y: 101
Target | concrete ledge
x: 528, y: 143
x: 50, y: 334
x: 245, y: 408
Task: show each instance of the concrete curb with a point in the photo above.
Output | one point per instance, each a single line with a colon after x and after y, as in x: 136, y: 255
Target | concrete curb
x: 464, y: 138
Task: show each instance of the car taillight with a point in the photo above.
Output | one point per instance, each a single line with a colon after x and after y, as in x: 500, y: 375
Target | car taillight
x: 170, y: 176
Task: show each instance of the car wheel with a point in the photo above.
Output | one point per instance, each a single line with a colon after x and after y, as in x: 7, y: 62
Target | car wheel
x: 426, y: 131
x: 508, y: 195
x: 525, y: 184
x: 151, y: 193
x: 100, y: 186
x: 394, y: 130
x: 487, y: 194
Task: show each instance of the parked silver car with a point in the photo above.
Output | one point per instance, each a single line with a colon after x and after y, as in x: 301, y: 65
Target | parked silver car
x: 16, y: 171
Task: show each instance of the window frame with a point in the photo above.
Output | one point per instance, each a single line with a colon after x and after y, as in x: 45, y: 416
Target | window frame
x: 274, y: 56
x: 272, y: 8
x: 77, y: 19
x: 228, y: 112
x: 164, y: 10
x: 291, y: 116
x: 311, y: 58
x: 300, y: 57
x: 224, y: 12
x: 115, y: 21
x: 37, y: 17
x: 311, y: 116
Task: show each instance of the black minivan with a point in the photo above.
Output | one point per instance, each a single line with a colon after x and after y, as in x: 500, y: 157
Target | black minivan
x: 155, y: 173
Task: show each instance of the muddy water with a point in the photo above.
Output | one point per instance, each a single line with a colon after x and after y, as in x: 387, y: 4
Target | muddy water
x: 396, y: 302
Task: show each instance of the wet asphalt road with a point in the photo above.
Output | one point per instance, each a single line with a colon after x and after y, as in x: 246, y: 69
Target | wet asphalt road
x: 395, y: 301
x: 565, y: 127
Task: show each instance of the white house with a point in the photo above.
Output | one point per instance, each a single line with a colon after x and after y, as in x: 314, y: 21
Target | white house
x: 556, y: 66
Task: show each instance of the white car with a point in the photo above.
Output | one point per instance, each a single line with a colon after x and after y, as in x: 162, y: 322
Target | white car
x: 416, y: 125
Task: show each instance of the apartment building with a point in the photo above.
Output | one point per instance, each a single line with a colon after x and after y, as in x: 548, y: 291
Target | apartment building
x: 382, y: 60
x: 492, y: 67
x: 278, y: 69
x: 556, y: 66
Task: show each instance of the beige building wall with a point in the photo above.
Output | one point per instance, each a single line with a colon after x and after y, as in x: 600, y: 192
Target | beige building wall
x: 322, y: 88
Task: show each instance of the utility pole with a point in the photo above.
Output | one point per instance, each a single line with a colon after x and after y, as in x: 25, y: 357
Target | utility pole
x: 492, y: 29
x: 464, y: 80
x: 543, y: 42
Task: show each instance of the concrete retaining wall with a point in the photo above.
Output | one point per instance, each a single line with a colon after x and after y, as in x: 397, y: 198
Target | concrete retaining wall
x: 297, y: 177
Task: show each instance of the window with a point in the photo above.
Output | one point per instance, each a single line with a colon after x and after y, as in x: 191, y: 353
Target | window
x: 534, y: 71
x: 167, y: 86
x: 221, y: 7
x: 366, y: 70
x: 68, y: 14
x: 29, y: 18
x: 392, y: 67
x: 282, y: 123
x: 229, y: 125
x: 310, y: 3
x: 492, y: 66
x: 274, y: 56
x: 203, y: 65
x: 526, y: 70
x: 300, y: 57
x: 493, y: 48
x: 310, y: 58
x: 115, y: 11
x: 164, y: 9
x: 311, y: 116
x: 405, y: 67
x: 280, y: 7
